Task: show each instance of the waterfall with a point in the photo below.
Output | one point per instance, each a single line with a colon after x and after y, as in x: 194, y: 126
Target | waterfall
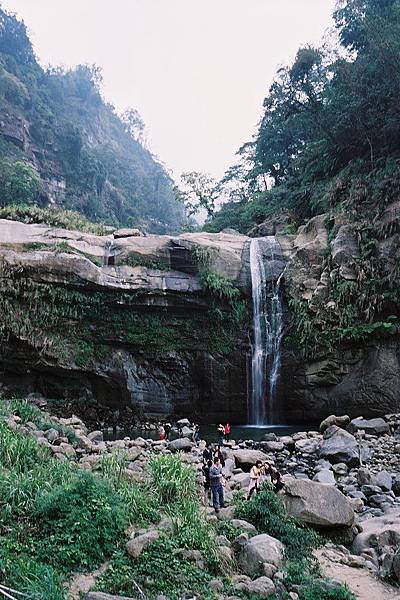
x: 267, y: 329
x: 108, y: 257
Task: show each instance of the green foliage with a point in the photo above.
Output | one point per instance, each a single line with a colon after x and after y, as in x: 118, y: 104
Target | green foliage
x: 79, y: 523
x: 305, y: 574
x: 54, y: 217
x: 19, y: 183
x: 266, y: 512
x: 172, y: 480
x: 136, y: 260
x: 26, y: 411
x: 329, y: 134
x: 163, y: 566
x: 97, y: 162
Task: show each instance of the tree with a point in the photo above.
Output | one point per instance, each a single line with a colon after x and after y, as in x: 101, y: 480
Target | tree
x: 134, y: 124
x: 198, y: 191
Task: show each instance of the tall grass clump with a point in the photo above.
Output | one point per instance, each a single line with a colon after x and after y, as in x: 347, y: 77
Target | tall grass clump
x: 172, y: 481
x: 142, y: 506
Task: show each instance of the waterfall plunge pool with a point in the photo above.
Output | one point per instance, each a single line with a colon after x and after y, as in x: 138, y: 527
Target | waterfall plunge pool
x: 209, y: 432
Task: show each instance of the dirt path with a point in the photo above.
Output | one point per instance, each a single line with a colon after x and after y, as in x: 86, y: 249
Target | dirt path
x: 81, y: 583
x: 363, y: 584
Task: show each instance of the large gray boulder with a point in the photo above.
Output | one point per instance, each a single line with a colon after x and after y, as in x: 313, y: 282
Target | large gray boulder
x: 340, y: 421
x: 339, y: 446
x: 247, y: 458
x: 379, y: 532
x: 180, y: 445
x: 260, y: 549
x: 376, y: 426
x: 137, y: 545
x: 317, y: 504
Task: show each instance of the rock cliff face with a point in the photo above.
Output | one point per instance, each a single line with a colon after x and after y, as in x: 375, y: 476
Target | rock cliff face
x: 131, y: 323
x: 343, y: 348
x: 123, y: 322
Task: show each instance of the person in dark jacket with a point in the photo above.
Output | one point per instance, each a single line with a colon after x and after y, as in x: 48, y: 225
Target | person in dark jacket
x: 206, y: 481
x: 217, y: 483
x: 208, y: 453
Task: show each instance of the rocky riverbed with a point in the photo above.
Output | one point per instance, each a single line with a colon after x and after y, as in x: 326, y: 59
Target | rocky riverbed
x: 343, y: 480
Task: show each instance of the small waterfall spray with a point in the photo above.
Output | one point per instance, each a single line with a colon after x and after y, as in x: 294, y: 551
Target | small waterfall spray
x: 267, y: 332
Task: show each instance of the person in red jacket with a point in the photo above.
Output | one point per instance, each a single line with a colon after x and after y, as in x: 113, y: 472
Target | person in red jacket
x: 227, y: 432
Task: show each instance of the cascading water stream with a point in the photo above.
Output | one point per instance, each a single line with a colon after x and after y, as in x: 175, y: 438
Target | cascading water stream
x: 267, y: 332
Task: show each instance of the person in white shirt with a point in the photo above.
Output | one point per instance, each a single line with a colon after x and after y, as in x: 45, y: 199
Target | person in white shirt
x: 255, y: 474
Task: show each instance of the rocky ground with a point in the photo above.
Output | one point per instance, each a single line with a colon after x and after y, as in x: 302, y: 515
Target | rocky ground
x: 343, y: 480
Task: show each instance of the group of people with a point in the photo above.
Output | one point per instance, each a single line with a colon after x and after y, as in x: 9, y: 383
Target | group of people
x: 214, y: 480
x: 261, y: 472
x: 224, y: 433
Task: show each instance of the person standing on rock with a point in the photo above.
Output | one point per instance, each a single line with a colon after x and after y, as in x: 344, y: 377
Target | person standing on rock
x: 167, y: 428
x: 255, y: 474
x: 161, y: 431
x: 218, y: 454
x: 217, y: 483
x: 227, y: 432
x: 221, y: 434
x: 208, y: 453
x: 206, y: 481
x: 196, y: 434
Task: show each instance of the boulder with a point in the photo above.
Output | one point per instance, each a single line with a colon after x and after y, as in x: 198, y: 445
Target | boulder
x: 378, y: 532
x: 325, y: 476
x: 180, y: 445
x: 247, y: 458
x: 125, y: 232
x: 384, y: 481
x: 243, y: 525
x: 307, y: 446
x: 373, y: 426
x: 262, y: 587
x: 273, y: 446
x: 183, y: 423
x: 396, y: 565
x: 260, y: 549
x: 136, y: 545
x: 339, y: 446
x: 365, y: 477
x: 317, y: 504
x: 241, y: 480
x: 341, y: 421
x: 95, y: 436
x: 187, y: 432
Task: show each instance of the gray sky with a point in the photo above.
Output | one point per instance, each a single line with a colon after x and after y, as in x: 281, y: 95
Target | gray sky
x: 197, y: 70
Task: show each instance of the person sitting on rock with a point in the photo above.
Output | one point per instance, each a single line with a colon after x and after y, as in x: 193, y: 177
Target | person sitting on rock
x: 274, y: 475
x: 255, y: 474
x: 217, y: 483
